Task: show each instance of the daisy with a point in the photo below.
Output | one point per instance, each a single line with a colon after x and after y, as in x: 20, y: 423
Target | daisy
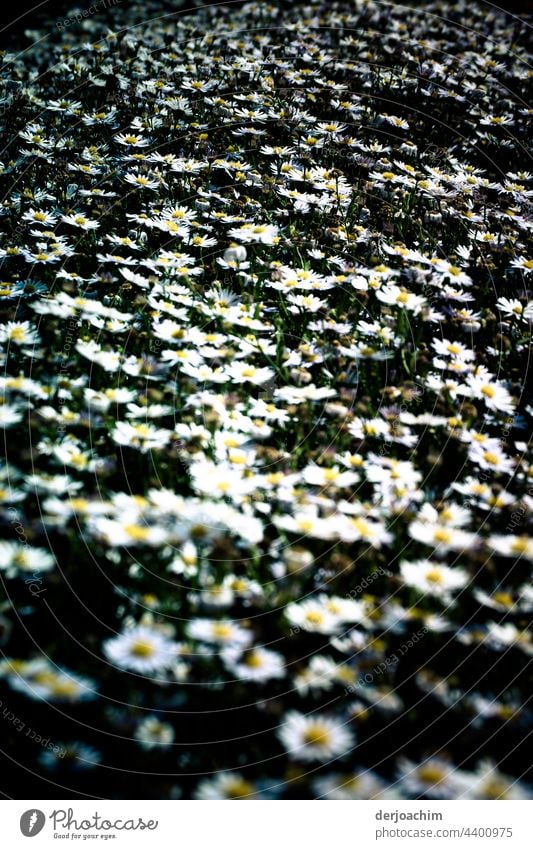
x: 19, y: 333
x: 501, y: 600
x: 265, y: 234
x: 202, y: 241
x: 395, y: 295
x: 145, y: 437
x: 386, y: 177
x: 490, y: 457
x: 333, y: 129
x: 312, y: 615
x: 219, y: 632
x: 493, y: 394
x: 9, y: 416
x: 222, y: 480
x: 131, y: 140
x: 401, y: 123
x: 235, y: 257
x: 446, y: 348
x: 16, y: 558
x: 154, y: 734
x: 226, y: 785
x: 198, y: 85
x: 245, y: 373
x: 40, y: 216
x: 305, y: 303
x: 433, y: 578
x: 435, y: 778
x: 316, y: 737
x: 331, y: 476
x: 299, y: 394
x: 490, y: 783
x: 81, y: 221
x: 511, y: 307
x: 42, y: 680
x: 256, y: 664
x: 127, y: 531
x: 362, y: 784
x: 141, y: 181
x: 307, y: 523
x: 502, y: 637
x: 522, y: 262
x: 511, y: 545
x: 141, y: 649
x: 442, y: 537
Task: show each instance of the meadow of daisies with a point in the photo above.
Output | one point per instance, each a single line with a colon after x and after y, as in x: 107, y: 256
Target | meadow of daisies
x: 265, y: 327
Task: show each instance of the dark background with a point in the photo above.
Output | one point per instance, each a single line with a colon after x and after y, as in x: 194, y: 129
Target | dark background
x: 19, y: 15
x: 16, y: 16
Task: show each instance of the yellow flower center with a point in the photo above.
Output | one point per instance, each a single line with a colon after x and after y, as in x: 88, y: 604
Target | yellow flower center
x: 275, y: 478
x: 239, y: 789
x: 520, y: 545
x: 64, y: 688
x: 316, y: 735
x: 79, y: 503
x: 503, y: 598
x: 431, y: 774
x: 17, y: 334
x: 314, y: 617
x: 137, y: 532
x: 506, y: 712
x: 253, y: 660
x: 142, y: 430
x: 495, y: 789
x: 221, y: 630
x: 434, y: 576
x: 142, y: 648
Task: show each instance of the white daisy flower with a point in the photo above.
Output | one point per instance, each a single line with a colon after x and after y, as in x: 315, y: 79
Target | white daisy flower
x: 141, y: 649
x: 256, y: 664
x: 220, y: 632
x: 154, y: 734
x: 433, y: 578
x: 317, y: 737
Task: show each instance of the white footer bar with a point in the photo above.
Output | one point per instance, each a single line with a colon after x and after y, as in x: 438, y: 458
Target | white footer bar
x: 255, y: 825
